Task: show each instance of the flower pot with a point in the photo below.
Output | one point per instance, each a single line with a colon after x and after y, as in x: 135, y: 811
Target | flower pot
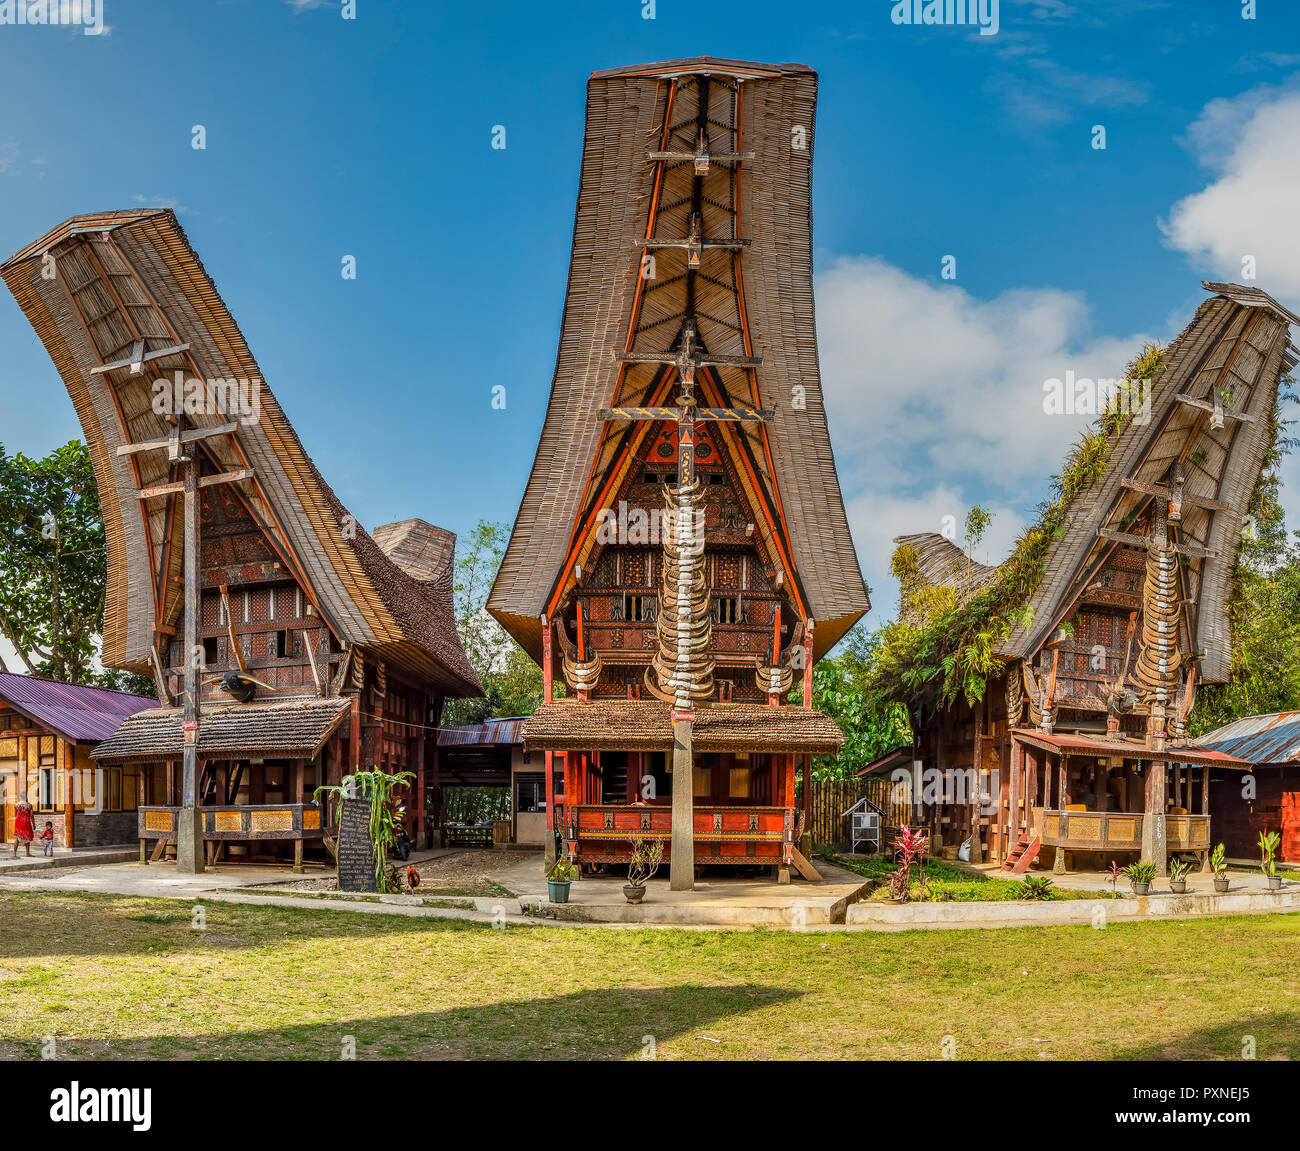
x: 1274, y: 882
x: 1220, y: 885
x: 1178, y: 886
x: 558, y: 890
x: 634, y: 892
x: 1140, y: 888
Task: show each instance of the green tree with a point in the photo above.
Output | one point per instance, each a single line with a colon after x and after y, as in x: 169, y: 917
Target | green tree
x: 512, y: 682
x: 872, y: 726
x: 55, y: 568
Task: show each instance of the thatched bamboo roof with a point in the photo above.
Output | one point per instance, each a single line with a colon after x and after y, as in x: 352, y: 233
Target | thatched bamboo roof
x: 95, y: 288
x: 751, y: 301
x: 1237, y: 346
x: 648, y: 725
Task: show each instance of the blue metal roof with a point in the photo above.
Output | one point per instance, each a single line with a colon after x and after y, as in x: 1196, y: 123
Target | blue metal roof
x: 1258, y: 738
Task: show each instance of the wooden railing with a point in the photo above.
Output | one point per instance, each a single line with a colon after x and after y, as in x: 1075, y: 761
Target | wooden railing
x: 239, y: 821
x: 603, y: 833
x: 1120, y: 830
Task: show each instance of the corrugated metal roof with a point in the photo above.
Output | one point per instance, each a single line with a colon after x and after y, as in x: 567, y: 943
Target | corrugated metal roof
x: 1127, y: 748
x: 1258, y: 738
x: 487, y: 733
x: 76, y: 711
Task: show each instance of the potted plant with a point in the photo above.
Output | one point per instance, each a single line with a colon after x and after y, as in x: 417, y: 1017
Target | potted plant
x: 1269, y: 842
x: 1140, y: 875
x: 1178, y: 870
x: 1219, y: 865
x: 557, y: 883
x: 644, y: 862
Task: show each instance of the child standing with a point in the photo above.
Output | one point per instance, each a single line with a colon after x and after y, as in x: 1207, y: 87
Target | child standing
x: 47, y: 838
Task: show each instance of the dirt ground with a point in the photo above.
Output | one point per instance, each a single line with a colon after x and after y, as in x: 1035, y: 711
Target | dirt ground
x: 457, y: 873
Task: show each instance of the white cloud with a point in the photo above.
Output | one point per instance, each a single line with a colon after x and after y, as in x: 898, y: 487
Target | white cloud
x: 1249, y: 208
x: 876, y: 518
x: 935, y: 400
x: 929, y: 383
x: 161, y: 202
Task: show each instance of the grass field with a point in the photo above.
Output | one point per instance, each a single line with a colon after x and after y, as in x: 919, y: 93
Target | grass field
x: 130, y: 978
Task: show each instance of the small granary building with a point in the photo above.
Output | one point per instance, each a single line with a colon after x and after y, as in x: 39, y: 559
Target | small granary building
x: 319, y: 648
x: 48, y: 732
x: 1270, y: 798
x: 681, y: 556
x: 1100, y: 627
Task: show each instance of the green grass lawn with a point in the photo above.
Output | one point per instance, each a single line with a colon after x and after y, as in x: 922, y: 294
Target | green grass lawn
x: 946, y: 881
x: 113, y: 977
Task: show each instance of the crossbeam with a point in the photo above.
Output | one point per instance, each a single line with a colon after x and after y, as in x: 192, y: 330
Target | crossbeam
x: 1165, y: 492
x: 138, y: 358
x: 706, y: 242
x: 204, y: 482
x: 1190, y: 550
x: 1218, y: 411
x: 730, y: 415
x: 706, y: 359
x: 700, y: 155
x: 186, y: 437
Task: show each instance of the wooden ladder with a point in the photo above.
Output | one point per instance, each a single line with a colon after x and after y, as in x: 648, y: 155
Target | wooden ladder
x: 1023, y: 854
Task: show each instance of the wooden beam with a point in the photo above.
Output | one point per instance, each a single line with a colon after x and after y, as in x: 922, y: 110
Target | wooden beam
x: 139, y: 357
x: 236, y: 648
x: 204, y: 482
x: 1142, y: 542
x: 311, y: 659
x: 186, y: 437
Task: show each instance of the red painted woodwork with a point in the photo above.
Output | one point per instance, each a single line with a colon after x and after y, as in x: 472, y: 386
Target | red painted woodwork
x: 723, y: 835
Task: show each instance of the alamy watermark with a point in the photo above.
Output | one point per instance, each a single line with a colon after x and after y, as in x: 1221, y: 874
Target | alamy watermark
x: 236, y: 399
x: 980, y: 13
x: 1082, y: 396
x: 89, y: 14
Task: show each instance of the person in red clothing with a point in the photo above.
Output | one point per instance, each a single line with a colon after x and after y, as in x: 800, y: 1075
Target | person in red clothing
x: 47, y: 838
x: 23, y: 831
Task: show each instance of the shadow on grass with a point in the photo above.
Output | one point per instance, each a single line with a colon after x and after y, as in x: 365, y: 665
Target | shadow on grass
x: 63, y: 924
x: 1276, y: 1035
x: 614, y: 1023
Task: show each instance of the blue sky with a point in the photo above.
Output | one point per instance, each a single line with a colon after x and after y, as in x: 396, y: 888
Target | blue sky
x: 371, y: 137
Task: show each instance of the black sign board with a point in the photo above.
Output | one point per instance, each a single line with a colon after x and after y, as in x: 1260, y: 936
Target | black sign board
x: 356, y: 851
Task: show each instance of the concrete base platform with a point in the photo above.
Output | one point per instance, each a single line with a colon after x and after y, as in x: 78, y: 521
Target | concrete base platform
x: 1085, y: 912
x: 714, y: 902
x: 63, y: 857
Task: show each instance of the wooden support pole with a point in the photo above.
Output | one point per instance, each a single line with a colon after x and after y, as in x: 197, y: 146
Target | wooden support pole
x: 976, y: 844
x: 189, y: 840
x: 1013, y: 819
x: 548, y: 668
x: 681, y: 864
x: 421, y: 743
x: 69, y: 800
x: 1205, y: 810
x: 808, y: 663
x: 1031, y: 787
x: 1154, y: 846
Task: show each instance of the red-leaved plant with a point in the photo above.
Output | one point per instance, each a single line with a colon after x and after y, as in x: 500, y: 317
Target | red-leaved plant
x: 1115, y: 872
x: 909, y: 848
